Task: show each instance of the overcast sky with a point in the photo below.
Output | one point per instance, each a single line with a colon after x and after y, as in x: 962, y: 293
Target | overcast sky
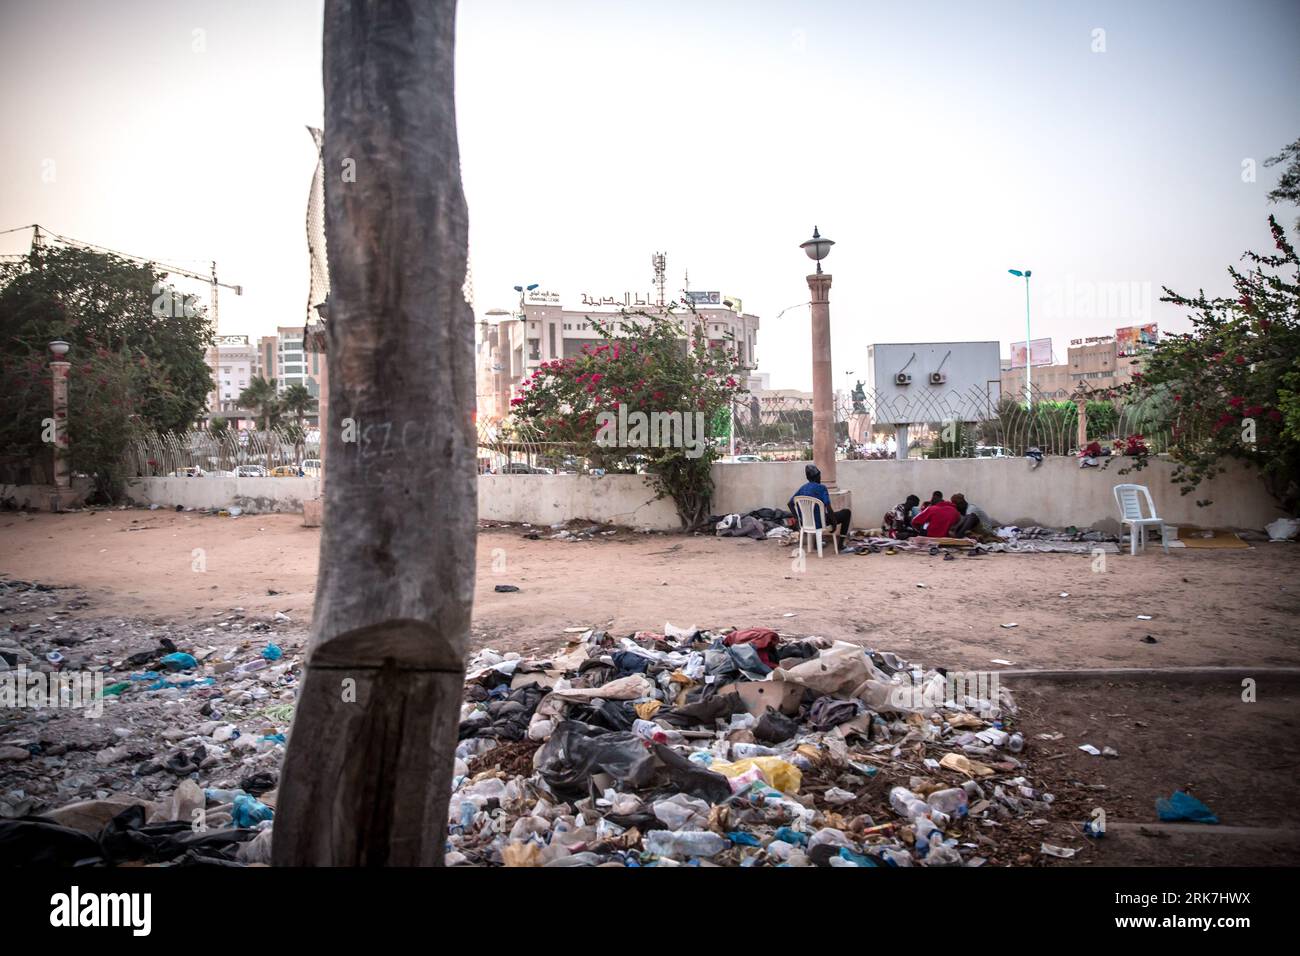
x: 1105, y: 146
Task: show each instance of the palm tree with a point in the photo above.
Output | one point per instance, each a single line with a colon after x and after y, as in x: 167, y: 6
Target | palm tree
x: 260, y: 398
x: 298, y: 401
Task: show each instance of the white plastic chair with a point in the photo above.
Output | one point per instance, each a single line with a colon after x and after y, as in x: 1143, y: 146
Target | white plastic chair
x: 1129, y: 498
x: 807, y: 508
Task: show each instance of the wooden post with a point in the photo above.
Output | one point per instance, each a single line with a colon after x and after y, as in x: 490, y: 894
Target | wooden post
x: 367, y: 777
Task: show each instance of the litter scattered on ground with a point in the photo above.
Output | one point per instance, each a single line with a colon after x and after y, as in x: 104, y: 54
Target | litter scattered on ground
x: 734, y: 748
x: 680, y: 746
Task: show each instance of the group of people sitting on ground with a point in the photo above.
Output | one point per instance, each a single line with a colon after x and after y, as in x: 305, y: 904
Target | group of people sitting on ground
x: 941, y: 518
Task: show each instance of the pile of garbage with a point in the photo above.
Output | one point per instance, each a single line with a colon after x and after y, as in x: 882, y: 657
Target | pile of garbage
x: 732, y: 748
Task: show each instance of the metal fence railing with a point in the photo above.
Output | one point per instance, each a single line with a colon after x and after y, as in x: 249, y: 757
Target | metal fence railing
x: 205, y: 454
x: 952, y: 425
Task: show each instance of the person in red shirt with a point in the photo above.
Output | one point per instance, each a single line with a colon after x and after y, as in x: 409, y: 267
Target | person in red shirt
x: 937, y: 519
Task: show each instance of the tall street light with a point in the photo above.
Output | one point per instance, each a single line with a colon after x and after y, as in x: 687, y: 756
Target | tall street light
x: 523, y: 290
x: 1029, y: 359
x: 819, y: 285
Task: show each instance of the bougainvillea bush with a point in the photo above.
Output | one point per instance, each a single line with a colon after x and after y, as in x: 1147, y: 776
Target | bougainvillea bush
x: 1233, y: 378
x: 674, y: 387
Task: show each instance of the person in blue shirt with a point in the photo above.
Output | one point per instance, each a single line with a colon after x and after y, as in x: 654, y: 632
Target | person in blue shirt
x: 837, y: 521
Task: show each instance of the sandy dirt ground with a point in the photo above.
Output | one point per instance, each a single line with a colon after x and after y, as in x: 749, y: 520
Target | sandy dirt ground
x: 190, y: 575
x: 1207, y: 607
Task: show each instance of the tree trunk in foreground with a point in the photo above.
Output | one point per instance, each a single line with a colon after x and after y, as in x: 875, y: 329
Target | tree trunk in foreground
x: 368, y: 773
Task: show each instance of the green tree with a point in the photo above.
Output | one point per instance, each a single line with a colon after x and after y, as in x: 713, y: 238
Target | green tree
x: 1288, y: 186
x: 297, y: 401
x: 260, y: 398
x: 137, y: 359
x: 93, y: 299
x: 643, y: 367
x: 1229, y: 384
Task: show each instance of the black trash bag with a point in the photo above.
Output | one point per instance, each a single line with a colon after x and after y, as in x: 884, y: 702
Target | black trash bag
x: 576, y: 750
x: 800, y: 649
x: 613, y: 715
x: 775, y: 727
x: 36, y: 841
x: 690, y: 778
x: 126, y: 838
x: 258, y: 783
x: 704, y: 712
x: 508, y: 718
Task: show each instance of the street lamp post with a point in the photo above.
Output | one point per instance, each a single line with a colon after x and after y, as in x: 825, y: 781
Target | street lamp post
x: 1029, y: 360
x: 59, y: 381
x: 819, y: 285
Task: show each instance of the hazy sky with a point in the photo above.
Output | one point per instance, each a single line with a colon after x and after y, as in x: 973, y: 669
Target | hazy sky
x: 937, y: 143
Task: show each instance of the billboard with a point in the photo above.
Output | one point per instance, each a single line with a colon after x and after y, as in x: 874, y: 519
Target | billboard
x: 1136, y: 339
x: 1040, y: 353
x: 704, y: 298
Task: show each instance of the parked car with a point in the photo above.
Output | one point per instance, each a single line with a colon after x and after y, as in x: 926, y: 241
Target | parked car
x: 991, y: 451
x: 250, y: 471
x: 284, y: 471
x: 740, y: 459
x: 311, y: 467
x: 193, y: 472
x: 219, y: 473
x: 522, y: 468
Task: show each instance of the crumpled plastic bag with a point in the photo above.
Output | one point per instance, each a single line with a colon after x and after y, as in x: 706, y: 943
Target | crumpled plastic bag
x: 576, y: 750
x: 775, y: 727
x: 681, y: 812
x: 624, y: 688
x: 778, y: 773
x: 1184, y: 806
x: 835, y: 672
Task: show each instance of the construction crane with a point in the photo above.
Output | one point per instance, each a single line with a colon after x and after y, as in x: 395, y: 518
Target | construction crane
x: 39, y: 235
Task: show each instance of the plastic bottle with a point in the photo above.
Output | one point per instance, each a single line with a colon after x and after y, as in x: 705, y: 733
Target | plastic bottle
x: 1016, y: 743
x: 649, y: 730
x: 684, y: 843
x: 907, y: 804
x: 744, y: 751
x: 951, y: 801
x: 940, y: 855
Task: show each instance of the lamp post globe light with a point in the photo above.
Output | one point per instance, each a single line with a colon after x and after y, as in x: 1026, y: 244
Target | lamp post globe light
x: 819, y: 285
x: 1029, y: 360
x: 818, y: 248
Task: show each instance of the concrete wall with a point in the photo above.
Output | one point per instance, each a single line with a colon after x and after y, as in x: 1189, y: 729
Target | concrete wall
x: 254, y: 495
x: 46, y: 497
x: 549, y: 499
x: 1058, y: 493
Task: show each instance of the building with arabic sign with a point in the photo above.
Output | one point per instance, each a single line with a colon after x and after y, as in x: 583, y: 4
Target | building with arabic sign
x: 509, y: 348
x: 1097, y: 362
